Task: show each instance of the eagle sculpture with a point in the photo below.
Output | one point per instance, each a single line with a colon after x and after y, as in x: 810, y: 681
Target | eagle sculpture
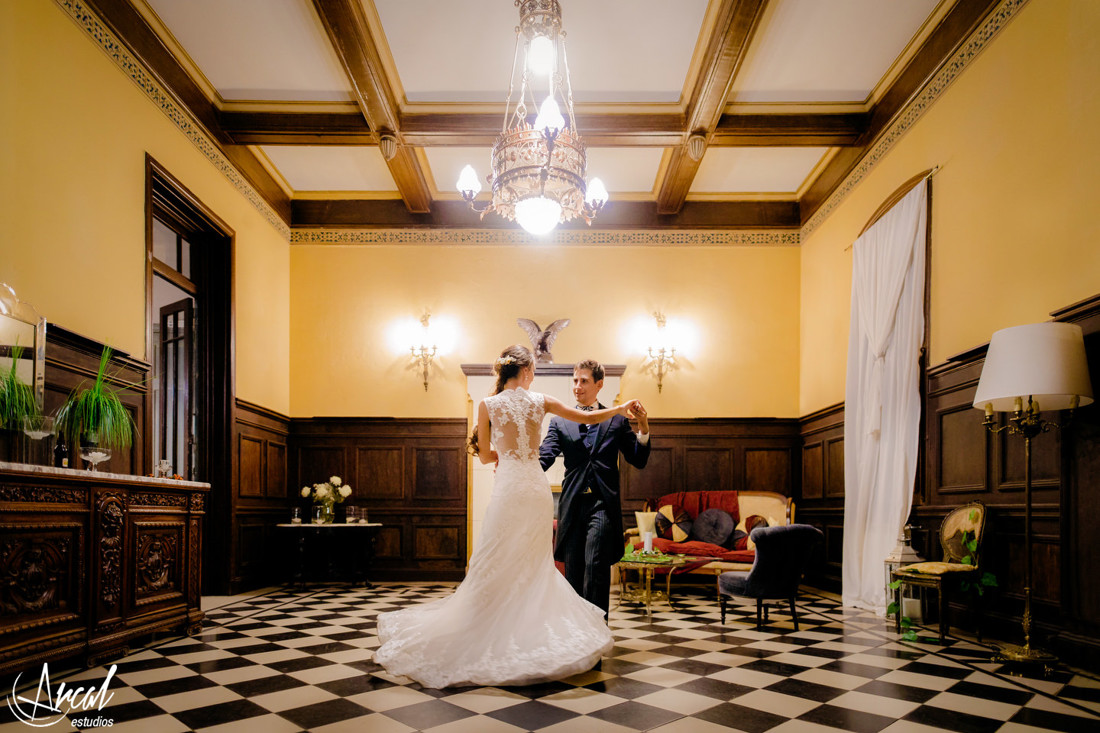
x: 542, y: 340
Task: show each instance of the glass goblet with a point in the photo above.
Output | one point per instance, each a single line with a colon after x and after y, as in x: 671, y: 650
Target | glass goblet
x: 94, y: 455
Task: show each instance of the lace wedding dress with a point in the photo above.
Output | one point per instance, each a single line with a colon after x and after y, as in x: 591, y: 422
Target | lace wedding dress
x: 514, y: 620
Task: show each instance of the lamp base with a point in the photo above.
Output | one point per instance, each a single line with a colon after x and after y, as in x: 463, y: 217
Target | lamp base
x: 1025, y: 655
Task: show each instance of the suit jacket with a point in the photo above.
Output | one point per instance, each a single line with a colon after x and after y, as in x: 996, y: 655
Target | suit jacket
x: 597, y: 469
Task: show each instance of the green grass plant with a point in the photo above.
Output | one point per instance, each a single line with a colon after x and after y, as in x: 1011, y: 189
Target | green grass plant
x: 96, y: 413
x: 16, y: 396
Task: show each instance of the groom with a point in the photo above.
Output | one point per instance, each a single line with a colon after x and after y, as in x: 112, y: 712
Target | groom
x: 590, y: 522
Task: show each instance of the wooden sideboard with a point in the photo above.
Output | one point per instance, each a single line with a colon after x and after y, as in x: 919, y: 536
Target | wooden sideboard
x: 91, y: 561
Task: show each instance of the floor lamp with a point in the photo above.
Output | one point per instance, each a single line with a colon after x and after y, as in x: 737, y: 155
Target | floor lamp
x: 1025, y: 367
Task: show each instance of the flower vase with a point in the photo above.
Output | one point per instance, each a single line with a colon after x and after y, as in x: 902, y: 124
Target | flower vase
x: 328, y: 513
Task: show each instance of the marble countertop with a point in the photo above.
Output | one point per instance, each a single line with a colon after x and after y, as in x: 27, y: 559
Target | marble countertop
x: 81, y: 473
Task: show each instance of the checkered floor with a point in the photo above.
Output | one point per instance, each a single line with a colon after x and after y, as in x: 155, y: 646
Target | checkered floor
x: 293, y: 661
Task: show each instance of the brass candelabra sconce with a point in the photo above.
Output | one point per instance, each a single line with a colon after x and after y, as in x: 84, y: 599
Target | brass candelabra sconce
x: 422, y: 355
x: 662, y: 355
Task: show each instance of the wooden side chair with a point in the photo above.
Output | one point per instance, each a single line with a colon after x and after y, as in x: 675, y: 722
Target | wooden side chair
x: 962, y: 525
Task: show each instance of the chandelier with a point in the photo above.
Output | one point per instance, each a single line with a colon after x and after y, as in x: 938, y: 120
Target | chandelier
x: 538, y: 174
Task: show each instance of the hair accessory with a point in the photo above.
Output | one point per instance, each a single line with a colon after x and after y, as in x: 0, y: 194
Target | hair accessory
x: 504, y: 360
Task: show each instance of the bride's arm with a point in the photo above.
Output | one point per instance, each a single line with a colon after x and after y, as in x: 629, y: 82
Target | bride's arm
x: 485, y: 454
x: 588, y: 417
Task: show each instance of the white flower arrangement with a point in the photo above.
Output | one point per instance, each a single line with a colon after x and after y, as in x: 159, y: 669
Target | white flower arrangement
x: 332, y: 491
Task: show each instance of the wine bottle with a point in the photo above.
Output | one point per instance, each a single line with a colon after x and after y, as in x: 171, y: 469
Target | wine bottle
x: 60, y: 453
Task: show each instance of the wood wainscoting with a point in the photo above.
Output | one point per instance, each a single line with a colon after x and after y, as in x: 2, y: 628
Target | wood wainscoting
x: 410, y: 475
x: 964, y: 462
x: 739, y: 454
x: 820, y: 499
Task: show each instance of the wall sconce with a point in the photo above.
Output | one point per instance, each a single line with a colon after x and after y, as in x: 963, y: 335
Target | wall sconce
x: 662, y: 355
x: 423, y: 354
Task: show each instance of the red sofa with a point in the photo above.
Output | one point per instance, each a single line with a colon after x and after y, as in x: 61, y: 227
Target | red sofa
x: 743, y: 504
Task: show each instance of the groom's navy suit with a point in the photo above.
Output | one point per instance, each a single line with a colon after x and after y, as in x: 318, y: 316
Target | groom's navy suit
x: 590, y: 522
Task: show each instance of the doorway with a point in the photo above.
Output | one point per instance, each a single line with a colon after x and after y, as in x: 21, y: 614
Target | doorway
x: 189, y: 271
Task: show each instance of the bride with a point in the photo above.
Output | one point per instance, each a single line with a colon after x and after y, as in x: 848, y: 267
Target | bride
x: 514, y: 620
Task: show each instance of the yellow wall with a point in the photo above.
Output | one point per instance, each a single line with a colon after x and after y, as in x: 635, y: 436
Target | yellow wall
x: 1015, y: 233
x: 72, y: 199
x: 743, y: 302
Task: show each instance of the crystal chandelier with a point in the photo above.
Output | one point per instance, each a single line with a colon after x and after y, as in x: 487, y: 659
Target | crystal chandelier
x: 538, y: 177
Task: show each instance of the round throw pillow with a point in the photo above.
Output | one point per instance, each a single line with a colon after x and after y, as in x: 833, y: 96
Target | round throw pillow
x: 673, y: 523
x: 713, y: 526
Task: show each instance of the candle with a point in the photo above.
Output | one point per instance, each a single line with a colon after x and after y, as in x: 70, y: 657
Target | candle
x: 647, y: 542
x: 989, y: 410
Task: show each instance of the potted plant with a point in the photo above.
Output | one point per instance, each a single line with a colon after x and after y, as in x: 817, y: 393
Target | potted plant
x: 95, y: 416
x: 16, y: 396
x: 17, y: 403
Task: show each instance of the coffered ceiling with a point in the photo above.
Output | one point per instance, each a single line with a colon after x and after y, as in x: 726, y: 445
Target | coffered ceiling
x: 788, y: 94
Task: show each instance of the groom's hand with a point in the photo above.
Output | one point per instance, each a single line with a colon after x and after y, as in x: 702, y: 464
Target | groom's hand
x: 642, y: 417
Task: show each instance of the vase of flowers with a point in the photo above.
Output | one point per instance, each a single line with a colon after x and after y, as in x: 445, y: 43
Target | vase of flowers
x: 327, y: 495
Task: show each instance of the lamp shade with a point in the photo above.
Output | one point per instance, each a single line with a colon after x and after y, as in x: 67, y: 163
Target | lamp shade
x: 1044, y: 361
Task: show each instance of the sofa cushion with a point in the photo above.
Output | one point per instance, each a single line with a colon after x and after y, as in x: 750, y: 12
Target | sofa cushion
x: 673, y: 523
x: 713, y: 526
x: 695, y: 502
x: 699, y: 549
x: 738, y: 540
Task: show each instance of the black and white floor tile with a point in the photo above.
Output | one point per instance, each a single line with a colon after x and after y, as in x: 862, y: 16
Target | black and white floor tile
x: 301, y: 660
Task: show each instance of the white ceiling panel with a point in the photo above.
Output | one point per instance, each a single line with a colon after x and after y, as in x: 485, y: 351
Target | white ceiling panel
x: 331, y: 167
x: 263, y: 50
x: 755, y: 170
x: 447, y: 163
x: 625, y: 170
x: 619, y: 50
x: 835, y: 51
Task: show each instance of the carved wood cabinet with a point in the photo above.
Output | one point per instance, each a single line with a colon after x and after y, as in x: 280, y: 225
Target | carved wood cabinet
x: 91, y: 561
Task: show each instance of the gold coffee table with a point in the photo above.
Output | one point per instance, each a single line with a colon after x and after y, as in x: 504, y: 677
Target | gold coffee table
x: 643, y: 592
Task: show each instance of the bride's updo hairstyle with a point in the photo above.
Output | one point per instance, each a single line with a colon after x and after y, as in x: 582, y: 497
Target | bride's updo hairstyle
x: 509, y: 364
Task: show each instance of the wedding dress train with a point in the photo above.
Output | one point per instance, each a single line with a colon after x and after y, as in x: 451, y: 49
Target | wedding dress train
x: 514, y: 620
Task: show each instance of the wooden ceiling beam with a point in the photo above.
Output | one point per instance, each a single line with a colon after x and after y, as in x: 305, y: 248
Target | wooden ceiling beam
x: 618, y: 215
x: 345, y: 23
x: 789, y: 130
x: 726, y: 51
x: 143, y: 42
x: 297, y: 128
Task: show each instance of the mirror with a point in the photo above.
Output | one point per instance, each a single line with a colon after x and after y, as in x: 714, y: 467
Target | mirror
x: 21, y: 325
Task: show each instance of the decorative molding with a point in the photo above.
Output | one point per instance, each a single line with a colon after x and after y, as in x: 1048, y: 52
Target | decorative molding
x: 117, y: 51
x: 111, y: 510
x: 590, y: 238
x: 144, y: 498
x: 43, y: 494
x: 929, y: 95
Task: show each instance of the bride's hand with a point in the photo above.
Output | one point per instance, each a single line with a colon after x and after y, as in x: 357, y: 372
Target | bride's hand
x: 632, y: 408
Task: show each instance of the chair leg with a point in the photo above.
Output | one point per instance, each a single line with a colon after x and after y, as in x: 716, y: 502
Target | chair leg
x: 759, y: 614
x: 722, y: 605
x: 944, y: 623
x: 794, y: 613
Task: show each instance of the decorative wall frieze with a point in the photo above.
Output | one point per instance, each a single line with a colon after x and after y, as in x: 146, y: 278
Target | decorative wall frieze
x: 993, y: 24
x: 90, y: 23
x: 566, y: 237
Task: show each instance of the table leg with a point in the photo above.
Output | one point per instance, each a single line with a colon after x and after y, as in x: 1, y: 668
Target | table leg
x: 368, y: 556
x: 300, y: 570
x: 649, y: 594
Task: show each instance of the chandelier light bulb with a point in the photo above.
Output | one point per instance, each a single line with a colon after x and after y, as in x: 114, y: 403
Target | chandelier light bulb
x: 541, y: 56
x: 538, y: 215
x: 468, y: 184
x: 596, y: 195
x: 549, y: 117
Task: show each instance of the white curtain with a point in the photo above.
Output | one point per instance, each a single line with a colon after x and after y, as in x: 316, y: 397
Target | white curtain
x: 882, y: 397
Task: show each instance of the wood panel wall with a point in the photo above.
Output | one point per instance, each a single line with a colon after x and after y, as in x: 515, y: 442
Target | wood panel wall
x: 964, y: 462
x: 73, y: 360
x: 409, y: 474
x: 714, y: 454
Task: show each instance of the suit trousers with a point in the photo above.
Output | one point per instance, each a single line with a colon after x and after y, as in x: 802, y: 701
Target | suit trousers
x: 587, y: 568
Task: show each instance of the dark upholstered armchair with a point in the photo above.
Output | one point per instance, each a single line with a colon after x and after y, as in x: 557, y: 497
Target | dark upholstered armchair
x: 781, y: 554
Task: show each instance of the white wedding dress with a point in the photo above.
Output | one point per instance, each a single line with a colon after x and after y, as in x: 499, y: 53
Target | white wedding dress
x: 514, y: 620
